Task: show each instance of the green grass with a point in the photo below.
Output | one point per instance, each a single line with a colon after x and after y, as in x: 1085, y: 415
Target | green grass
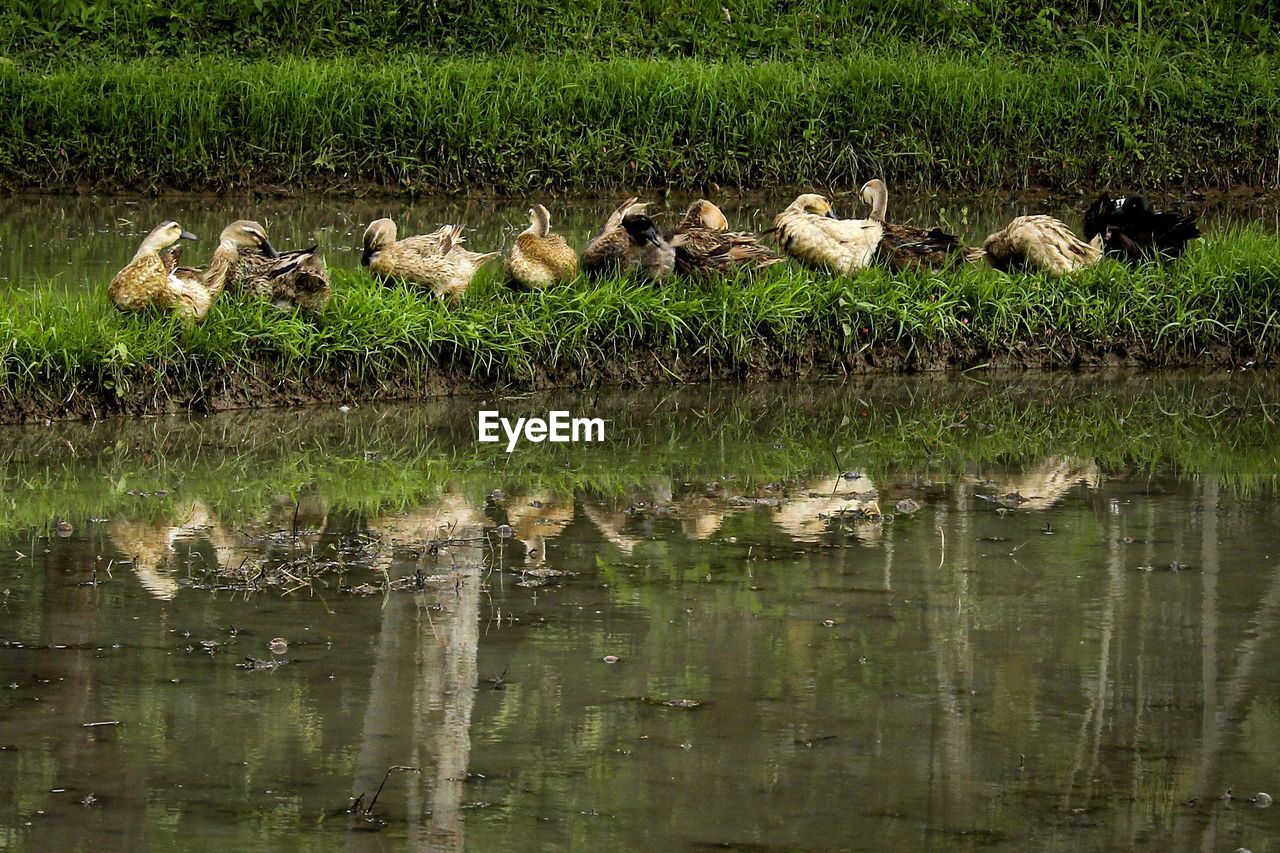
x: 420, y: 123
x: 1220, y: 300
x: 68, y: 29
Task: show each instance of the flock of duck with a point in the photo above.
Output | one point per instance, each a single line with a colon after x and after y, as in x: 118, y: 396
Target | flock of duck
x: 700, y: 245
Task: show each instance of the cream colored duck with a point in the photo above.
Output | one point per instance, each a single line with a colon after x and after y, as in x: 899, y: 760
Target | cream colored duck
x: 436, y: 260
x: 1041, y: 243
x: 810, y: 232
x: 538, y: 258
x: 151, y: 279
x: 909, y: 246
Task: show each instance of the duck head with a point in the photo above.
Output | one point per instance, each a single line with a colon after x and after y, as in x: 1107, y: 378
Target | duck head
x: 380, y: 234
x: 875, y: 195
x: 163, y: 236
x: 247, y: 234
x: 706, y: 214
x: 539, y: 221
x: 814, y: 204
x: 639, y: 228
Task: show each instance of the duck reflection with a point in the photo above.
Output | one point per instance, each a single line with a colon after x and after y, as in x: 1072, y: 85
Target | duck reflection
x: 148, y: 545
x: 1041, y: 486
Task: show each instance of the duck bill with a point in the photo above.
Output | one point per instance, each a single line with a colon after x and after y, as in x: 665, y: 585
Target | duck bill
x: 187, y: 235
x: 268, y: 249
x: 366, y: 256
x: 652, y: 236
x: 831, y: 214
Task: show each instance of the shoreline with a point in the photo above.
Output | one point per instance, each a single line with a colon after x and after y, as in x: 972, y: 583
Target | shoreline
x: 76, y: 357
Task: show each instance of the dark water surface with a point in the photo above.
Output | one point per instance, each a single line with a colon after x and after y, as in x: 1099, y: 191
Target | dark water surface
x: 1072, y: 643
x: 79, y: 242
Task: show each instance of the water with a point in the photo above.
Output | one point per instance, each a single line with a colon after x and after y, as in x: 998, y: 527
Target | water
x: 80, y: 242
x: 1064, y: 669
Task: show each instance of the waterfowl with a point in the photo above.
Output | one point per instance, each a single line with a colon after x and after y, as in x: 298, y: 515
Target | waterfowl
x: 909, y: 246
x: 809, y: 231
x: 436, y: 260
x: 289, y: 280
x: 630, y: 243
x: 1041, y: 243
x: 708, y: 246
x: 152, y: 278
x: 241, y: 236
x: 539, y: 258
x: 1133, y: 232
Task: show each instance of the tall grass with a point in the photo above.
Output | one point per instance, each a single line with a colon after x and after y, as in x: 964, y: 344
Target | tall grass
x: 522, y: 125
x: 1217, y: 302
x: 707, y: 28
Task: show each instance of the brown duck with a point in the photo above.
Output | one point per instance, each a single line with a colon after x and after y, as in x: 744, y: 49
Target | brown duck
x: 909, y: 246
x: 288, y: 280
x: 707, y: 246
x: 539, y: 258
x: 436, y: 260
x: 630, y: 244
x: 153, y: 279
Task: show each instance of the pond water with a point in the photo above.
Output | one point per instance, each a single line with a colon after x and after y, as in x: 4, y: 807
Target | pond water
x: 904, y: 614
x: 79, y: 242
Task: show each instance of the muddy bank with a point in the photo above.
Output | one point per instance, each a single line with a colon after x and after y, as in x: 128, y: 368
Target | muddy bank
x: 207, y: 388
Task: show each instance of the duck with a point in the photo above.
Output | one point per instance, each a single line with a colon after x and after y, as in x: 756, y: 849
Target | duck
x: 1041, y: 243
x: 436, y: 260
x: 709, y: 247
x: 538, y: 258
x: 630, y: 243
x: 294, y: 280
x: 244, y: 236
x: 154, y: 279
x: 909, y: 246
x: 810, y: 232
x: 1132, y: 232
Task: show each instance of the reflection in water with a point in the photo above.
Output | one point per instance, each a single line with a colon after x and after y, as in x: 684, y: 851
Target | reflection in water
x: 1091, y: 667
x: 80, y: 241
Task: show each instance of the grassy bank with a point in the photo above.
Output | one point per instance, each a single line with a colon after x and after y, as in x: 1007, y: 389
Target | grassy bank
x: 69, y: 29
x: 419, y: 123
x: 77, y: 356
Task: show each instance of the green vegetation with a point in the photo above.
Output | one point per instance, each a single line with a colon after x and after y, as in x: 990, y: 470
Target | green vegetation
x: 714, y: 29
x: 423, y: 124
x: 76, y: 354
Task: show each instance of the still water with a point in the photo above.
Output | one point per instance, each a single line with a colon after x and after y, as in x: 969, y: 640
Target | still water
x: 79, y: 242
x: 897, y: 614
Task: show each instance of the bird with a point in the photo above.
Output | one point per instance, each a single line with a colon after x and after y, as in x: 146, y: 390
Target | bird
x: 1041, y: 243
x: 809, y: 231
x: 908, y: 246
x: 288, y: 280
x: 1132, y: 232
x: 436, y: 260
x: 630, y: 243
x: 538, y: 258
x: 153, y: 279
x: 241, y: 236
x: 709, y: 247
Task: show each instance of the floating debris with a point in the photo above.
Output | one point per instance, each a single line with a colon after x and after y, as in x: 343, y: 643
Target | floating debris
x: 1261, y: 799
x: 906, y: 506
x: 611, y: 658
x: 278, y: 646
